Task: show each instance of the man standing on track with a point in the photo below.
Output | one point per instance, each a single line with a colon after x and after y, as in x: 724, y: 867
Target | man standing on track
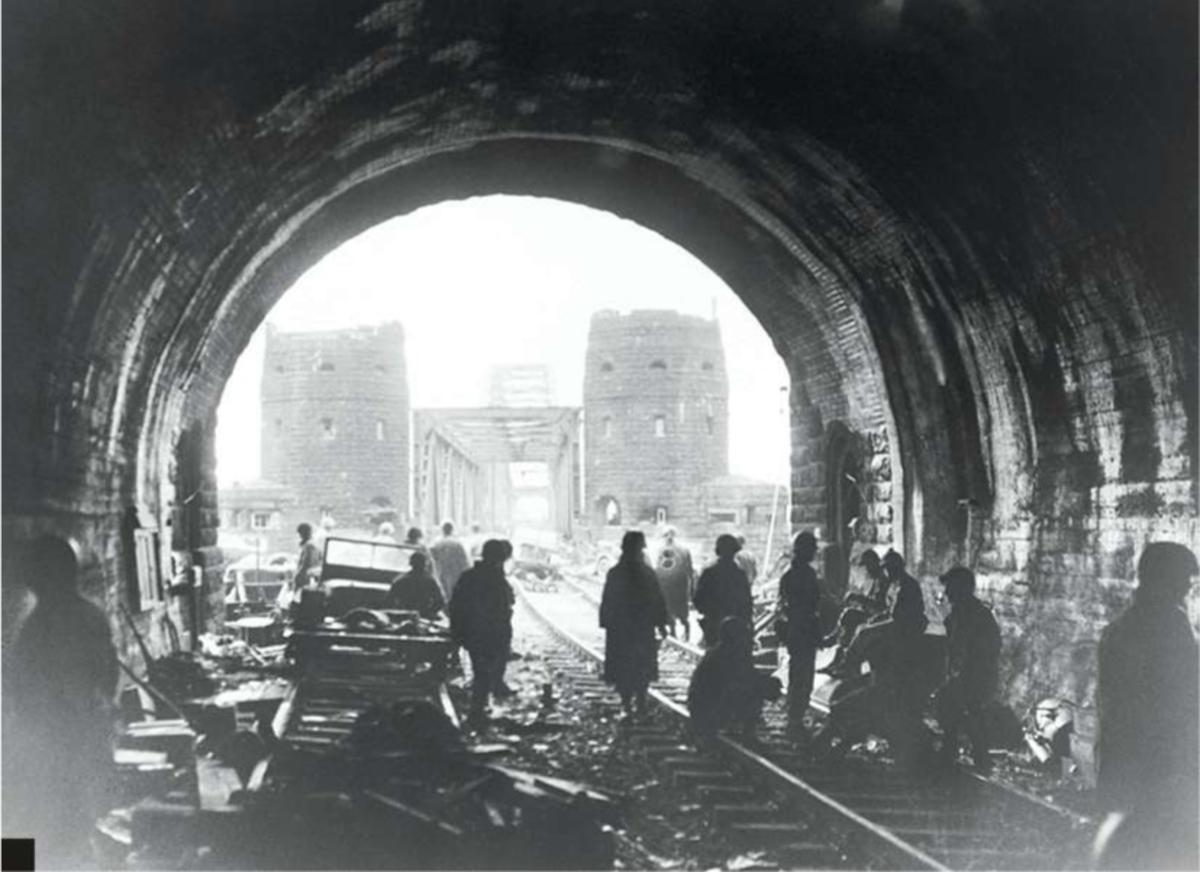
x: 799, y: 620
x: 631, y: 609
x: 677, y: 578
x: 972, y: 668
x: 723, y: 591
x: 481, y: 621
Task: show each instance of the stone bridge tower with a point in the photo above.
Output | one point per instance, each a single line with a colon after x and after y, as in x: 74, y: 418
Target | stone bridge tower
x: 335, y: 424
x: 656, y: 409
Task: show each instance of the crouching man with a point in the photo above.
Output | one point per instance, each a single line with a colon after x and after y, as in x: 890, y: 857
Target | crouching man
x: 726, y: 691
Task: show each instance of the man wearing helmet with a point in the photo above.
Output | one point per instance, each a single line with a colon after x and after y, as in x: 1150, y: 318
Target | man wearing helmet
x: 60, y: 677
x: 899, y: 627
x: 481, y: 610
x: 308, y: 561
x: 972, y: 669
x: 722, y: 590
x: 1148, y: 746
x: 799, y: 625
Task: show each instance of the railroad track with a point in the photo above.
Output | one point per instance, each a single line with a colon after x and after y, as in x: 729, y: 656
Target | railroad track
x: 875, y: 815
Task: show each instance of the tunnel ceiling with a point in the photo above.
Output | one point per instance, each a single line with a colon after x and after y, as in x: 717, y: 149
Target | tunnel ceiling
x: 969, y: 227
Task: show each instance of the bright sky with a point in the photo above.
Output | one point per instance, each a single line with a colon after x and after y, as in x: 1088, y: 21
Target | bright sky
x: 502, y: 279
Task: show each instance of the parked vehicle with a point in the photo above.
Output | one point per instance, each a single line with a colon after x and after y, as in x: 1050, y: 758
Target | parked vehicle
x: 355, y: 573
x: 254, y: 582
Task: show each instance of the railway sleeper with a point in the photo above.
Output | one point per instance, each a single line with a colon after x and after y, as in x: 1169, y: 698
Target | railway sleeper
x: 854, y: 794
x: 689, y: 780
x: 920, y: 811
x: 671, y: 761
x: 950, y: 836
x: 977, y: 858
x: 649, y: 734
x: 816, y: 774
x: 793, y: 835
x: 710, y: 794
x: 727, y: 814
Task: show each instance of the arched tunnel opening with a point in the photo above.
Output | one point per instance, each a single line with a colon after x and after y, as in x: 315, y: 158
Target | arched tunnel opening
x: 387, y: 367
x: 968, y: 229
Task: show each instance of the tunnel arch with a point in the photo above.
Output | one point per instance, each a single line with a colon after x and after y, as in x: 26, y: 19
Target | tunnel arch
x: 957, y: 223
x: 648, y: 190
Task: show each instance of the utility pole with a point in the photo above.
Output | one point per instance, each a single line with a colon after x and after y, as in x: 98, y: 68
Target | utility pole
x: 766, y: 564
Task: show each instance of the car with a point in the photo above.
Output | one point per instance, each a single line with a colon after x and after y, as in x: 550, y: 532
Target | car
x: 253, y: 583
x: 357, y: 573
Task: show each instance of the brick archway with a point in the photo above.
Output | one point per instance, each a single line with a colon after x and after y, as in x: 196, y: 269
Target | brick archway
x: 961, y: 227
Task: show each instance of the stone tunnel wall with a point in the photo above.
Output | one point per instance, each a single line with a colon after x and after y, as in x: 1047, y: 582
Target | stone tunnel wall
x: 970, y: 227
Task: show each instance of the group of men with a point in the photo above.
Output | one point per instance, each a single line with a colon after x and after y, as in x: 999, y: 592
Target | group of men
x: 883, y: 625
x: 60, y: 678
x: 441, y: 579
x: 1148, y: 696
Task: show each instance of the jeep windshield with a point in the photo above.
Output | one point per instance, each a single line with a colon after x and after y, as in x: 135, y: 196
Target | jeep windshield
x: 360, y: 560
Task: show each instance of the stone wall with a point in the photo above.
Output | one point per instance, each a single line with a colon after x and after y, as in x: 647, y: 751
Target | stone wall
x: 656, y: 412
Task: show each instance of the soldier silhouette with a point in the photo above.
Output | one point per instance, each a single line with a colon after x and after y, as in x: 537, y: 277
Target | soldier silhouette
x: 60, y: 682
x: 1148, y: 746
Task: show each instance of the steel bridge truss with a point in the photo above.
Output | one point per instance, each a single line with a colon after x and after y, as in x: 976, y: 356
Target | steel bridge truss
x: 463, y: 458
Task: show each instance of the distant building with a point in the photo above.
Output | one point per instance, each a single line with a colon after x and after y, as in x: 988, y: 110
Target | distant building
x: 253, y: 517
x: 656, y: 408
x: 744, y: 506
x: 335, y: 426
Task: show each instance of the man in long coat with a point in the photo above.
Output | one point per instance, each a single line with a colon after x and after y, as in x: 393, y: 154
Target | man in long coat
x: 450, y: 559
x: 631, y: 609
x: 677, y: 579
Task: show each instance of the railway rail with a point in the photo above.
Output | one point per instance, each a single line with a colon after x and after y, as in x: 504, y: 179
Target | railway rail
x: 872, y: 814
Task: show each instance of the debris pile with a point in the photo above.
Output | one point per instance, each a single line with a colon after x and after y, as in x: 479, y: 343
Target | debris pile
x: 340, y: 750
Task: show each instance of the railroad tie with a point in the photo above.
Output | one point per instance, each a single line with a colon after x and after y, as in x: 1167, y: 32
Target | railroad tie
x: 727, y: 814
x: 730, y: 793
x: 777, y: 833
x: 690, y: 779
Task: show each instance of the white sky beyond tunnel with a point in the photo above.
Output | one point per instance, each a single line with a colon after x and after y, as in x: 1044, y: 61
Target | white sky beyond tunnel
x: 501, y: 279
